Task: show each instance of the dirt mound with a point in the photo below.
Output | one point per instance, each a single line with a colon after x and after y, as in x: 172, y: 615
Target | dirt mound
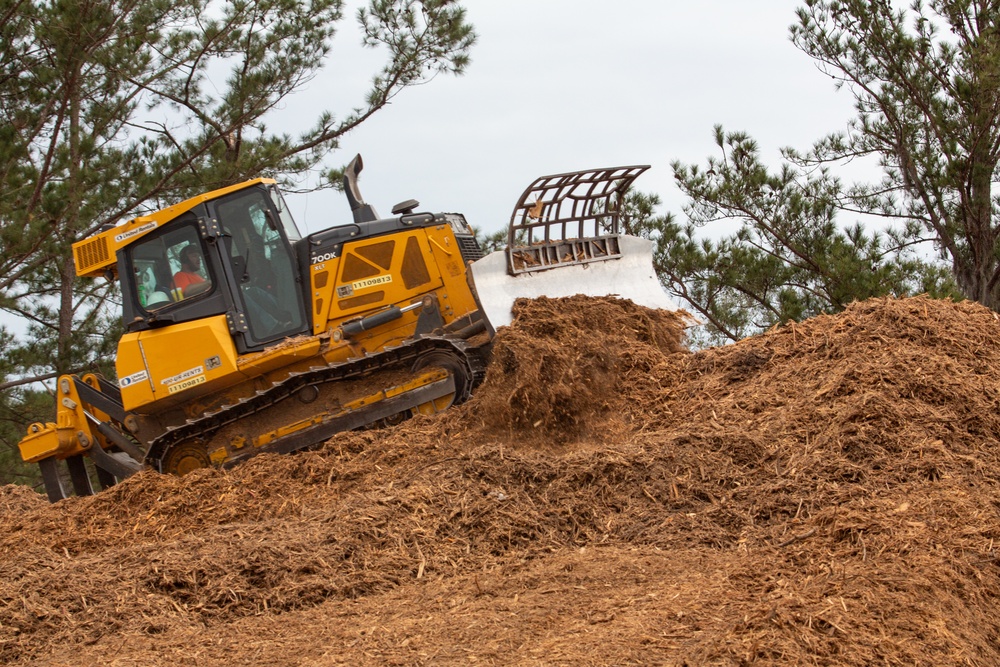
x: 565, y: 366
x: 825, y: 493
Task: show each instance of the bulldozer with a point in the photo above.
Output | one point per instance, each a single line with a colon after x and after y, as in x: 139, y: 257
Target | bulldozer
x: 243, y: 336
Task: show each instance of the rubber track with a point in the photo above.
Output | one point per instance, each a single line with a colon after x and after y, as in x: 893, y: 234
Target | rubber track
x: 404, y: 355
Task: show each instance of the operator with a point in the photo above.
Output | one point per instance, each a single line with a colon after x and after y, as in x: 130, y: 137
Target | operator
x: 188, y: 279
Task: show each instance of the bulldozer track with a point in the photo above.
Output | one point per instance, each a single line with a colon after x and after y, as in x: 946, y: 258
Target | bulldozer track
x: 404, y: 356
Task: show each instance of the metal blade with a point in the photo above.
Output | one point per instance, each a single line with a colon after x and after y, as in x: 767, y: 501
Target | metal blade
x: 630, y: 276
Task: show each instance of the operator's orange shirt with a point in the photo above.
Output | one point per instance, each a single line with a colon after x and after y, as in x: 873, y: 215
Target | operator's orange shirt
x: 183, y: 279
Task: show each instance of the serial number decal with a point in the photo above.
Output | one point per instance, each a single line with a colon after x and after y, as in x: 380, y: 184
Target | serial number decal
x: 141, y: 229
x: 191, y: 372
x: 187, y: 384
x: 372, y: 282
x: 132, y: 379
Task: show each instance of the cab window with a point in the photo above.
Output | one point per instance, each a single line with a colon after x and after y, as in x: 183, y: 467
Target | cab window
x: 263, y: 265
x: 284, y: 215
x: 170, y: 268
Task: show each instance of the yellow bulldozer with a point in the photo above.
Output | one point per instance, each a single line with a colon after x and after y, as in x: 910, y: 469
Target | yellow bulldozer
x: 243, y: 336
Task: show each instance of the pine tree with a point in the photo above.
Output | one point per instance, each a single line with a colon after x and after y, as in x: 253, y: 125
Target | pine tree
x: 926, y: 85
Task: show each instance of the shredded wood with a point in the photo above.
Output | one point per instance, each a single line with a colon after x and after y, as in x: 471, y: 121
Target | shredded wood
x: 823, y: 494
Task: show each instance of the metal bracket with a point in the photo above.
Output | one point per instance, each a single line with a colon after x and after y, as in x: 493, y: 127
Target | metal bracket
x: 209, y: 227
x: 237, y: 322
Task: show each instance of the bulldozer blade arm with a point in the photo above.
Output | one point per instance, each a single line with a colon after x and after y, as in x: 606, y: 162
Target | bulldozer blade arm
x: 629, y: 276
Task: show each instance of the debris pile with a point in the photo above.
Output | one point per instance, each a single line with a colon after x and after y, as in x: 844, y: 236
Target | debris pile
x: 569, y: 365
x: 824, y: 493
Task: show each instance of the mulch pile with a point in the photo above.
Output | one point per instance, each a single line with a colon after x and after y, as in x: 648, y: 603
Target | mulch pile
x: 826, y: 493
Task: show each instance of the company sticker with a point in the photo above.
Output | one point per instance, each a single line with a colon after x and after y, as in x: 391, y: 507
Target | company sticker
x: 141, y: 229
x: 187, y: 384
x: 191, y: 372
x: 132, y: 379
x: 372, y: 282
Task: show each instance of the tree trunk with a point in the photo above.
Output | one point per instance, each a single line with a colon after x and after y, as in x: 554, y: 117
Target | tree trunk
x: 64, y: 346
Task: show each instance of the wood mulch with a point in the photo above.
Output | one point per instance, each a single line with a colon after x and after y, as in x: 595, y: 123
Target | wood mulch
x: 826, y: 493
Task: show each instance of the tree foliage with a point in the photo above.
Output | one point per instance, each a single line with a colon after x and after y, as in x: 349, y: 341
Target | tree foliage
x: 926, y: 85
x: 789, y: 258
x: 109, y: 108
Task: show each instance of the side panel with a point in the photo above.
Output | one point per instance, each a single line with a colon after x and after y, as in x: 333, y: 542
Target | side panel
x: 180, y: 362
x: 456, y: 299
x: 371, y: 274
x: 133, y: 377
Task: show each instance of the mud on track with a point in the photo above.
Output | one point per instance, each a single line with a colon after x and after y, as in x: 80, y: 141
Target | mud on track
x: 825, y: 493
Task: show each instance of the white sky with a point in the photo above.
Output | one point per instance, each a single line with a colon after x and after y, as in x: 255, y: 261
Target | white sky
x: 562, y: 85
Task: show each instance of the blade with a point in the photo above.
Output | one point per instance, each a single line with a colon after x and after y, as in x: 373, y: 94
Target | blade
x: 630, y: 276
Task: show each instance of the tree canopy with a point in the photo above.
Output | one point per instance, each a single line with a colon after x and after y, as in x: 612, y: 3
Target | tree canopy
x: 926, y: 85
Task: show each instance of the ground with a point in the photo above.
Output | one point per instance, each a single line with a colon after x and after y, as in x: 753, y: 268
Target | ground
x: 825, y: 493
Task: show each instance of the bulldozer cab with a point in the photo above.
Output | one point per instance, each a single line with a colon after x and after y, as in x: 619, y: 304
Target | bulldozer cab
x: 256, y: 244
x: 234, y: 257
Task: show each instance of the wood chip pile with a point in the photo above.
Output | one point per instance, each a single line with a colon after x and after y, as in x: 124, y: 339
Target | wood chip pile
x: 827, y: 493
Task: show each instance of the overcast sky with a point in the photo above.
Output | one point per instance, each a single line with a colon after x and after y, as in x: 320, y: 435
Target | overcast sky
x: 562, y: 85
